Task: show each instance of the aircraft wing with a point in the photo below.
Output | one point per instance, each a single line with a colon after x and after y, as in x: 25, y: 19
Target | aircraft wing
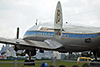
x: 47, y: 44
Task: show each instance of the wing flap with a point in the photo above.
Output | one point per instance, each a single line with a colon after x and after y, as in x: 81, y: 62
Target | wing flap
x: 53, y: 44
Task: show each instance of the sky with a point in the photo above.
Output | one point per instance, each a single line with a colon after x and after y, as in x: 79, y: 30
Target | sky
x: 23, y: 14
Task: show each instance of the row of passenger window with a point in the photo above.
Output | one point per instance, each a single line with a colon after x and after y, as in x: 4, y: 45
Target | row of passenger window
x: 44, y: 34
x: 40, y: 34
x: 64, y: 34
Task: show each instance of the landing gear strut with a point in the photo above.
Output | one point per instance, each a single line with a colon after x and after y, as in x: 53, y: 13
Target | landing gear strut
x: 95, y: 55
x: 30, y: 53
x: 95, y: 64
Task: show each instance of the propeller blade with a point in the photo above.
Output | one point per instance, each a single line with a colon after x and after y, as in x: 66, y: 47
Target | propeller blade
x: 17, y: 32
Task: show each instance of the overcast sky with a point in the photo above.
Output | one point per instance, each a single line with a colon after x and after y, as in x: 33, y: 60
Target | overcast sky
x: 23, y: 14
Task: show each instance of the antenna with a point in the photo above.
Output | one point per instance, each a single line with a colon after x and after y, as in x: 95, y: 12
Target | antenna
x: 36, y: 21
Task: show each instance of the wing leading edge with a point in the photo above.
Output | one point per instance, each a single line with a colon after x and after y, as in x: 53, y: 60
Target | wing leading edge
x: 47, y: 44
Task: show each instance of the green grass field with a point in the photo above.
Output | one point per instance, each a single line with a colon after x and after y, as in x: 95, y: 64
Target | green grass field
x: 58, y: 63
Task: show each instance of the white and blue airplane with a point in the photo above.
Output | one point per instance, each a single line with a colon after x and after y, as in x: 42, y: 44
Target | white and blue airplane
x: 70, y: 39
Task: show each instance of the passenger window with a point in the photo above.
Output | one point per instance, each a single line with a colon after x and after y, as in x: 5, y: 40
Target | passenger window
x: 64, y: 35
x: 67, y: 35
x: 51, y: 34
x: 43, y: 33
x: 48, y: 34
x: 34, y: 33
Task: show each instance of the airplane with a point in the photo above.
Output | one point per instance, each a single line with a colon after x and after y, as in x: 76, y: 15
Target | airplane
x: 56, y: 39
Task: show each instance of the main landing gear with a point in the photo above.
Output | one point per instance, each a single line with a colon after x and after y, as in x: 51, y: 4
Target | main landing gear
x: 30, y: 53
x: 95, y: 64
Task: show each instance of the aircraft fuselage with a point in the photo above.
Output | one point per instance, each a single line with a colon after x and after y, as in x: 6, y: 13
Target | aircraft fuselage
x: 72, y: 42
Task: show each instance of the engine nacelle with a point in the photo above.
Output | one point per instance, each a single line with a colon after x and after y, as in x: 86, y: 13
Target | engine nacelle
x: 63, y: 51
x: 20, y: 54
x: 18, y: 47
x: 41, y: 51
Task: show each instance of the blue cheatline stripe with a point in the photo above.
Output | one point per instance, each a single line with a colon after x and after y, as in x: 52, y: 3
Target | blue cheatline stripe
x: 42, y: 33
x: 83, y: 35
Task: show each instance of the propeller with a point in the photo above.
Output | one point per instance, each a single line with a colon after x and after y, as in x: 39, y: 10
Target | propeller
x: 17, y: 32
x: 13, y: 47
x: 17, y: 36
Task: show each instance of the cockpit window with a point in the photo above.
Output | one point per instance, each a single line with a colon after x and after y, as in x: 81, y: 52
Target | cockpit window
x: 43, y: 28
x: 37, y: 27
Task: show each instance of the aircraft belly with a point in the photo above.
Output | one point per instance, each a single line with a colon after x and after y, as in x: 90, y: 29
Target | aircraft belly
x: 80, y: 44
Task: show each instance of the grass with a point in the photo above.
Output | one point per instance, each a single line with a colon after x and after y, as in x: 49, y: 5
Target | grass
x: 58, y: 63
